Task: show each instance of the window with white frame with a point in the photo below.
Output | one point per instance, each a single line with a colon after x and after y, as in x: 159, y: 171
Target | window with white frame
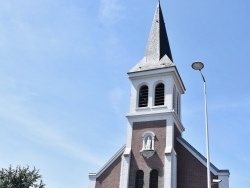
x: 143, y: 96
x: 159, y: 94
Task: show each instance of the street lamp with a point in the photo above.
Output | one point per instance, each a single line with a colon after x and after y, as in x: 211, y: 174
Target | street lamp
x: 216, y: 181
x: 198, y: 66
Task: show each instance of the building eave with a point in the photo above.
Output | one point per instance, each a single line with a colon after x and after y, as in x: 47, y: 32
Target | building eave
x: 113, y: 158
x: 163, y: 115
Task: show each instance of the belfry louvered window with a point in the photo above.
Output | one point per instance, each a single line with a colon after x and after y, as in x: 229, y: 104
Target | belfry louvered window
x: 139, y: 179
x: 178, y: 104
x: 159, y: 94
x: 143, y: 96
x: 174, y: 97
x: 153, y: 179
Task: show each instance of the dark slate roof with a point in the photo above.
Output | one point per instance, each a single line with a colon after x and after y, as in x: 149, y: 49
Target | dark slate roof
x: 158, y: 53
x: 158, y: 38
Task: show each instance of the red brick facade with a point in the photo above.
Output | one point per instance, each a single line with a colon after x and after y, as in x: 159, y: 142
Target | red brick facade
x: 191, y: 173
x: 110, y: 178
x: 138, y: 162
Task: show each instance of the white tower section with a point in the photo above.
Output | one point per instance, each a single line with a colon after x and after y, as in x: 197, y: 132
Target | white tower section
x: 155, y: 68
x: 170, y: 110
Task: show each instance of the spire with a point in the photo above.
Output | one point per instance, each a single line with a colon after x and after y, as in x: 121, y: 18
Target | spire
x: 158, y: 53
x: 158, y: 44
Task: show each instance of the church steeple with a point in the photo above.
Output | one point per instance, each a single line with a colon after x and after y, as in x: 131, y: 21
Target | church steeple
x: 158, y: 44
x: 154, y: 130
x: 158, y: 52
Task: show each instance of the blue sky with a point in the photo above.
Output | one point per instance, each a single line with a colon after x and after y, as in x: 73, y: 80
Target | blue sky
x: 64, y: 91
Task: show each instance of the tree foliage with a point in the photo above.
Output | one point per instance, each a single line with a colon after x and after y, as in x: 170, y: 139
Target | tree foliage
x: 21, y: 177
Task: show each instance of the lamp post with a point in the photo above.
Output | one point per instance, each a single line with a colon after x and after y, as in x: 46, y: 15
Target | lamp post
x: 198, y: 66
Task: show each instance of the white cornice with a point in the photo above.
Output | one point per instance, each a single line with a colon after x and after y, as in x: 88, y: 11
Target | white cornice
x: 147, y: 116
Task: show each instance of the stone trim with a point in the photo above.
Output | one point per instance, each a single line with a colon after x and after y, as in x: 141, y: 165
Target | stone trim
x: 154, y: 115
x: 118, y: 154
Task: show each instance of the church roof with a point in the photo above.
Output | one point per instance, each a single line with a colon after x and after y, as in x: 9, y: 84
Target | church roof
x: 200, y: 157
x: 158, y: 53
x: 110, y: 162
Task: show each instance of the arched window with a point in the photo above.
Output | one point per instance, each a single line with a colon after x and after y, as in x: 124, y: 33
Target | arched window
x: 159, y: 94
x: 143, y: 96
x: 153, y: 179
x: 139, y: 179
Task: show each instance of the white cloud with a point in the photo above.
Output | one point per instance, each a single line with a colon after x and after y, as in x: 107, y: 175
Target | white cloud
x: 111, y: 11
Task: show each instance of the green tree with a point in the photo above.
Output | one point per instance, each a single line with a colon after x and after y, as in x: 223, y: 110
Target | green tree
x: 21, y: 177
x: 1, y: 184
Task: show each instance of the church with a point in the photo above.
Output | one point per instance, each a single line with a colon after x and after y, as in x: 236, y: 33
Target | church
x: 155, y: 154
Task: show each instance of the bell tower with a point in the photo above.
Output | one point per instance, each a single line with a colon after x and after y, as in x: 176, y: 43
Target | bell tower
x: 154, y: 117
x: 155, y: 154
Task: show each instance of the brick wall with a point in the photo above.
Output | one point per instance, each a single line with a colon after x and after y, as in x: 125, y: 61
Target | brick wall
x: 111, y: 176
x: 190, y: 172
x: 176, y: 134
x: 157, y: 160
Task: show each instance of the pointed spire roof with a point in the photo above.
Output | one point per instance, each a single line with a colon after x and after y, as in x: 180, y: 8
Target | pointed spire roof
x: 158, y: 53
x: 158, y: 44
